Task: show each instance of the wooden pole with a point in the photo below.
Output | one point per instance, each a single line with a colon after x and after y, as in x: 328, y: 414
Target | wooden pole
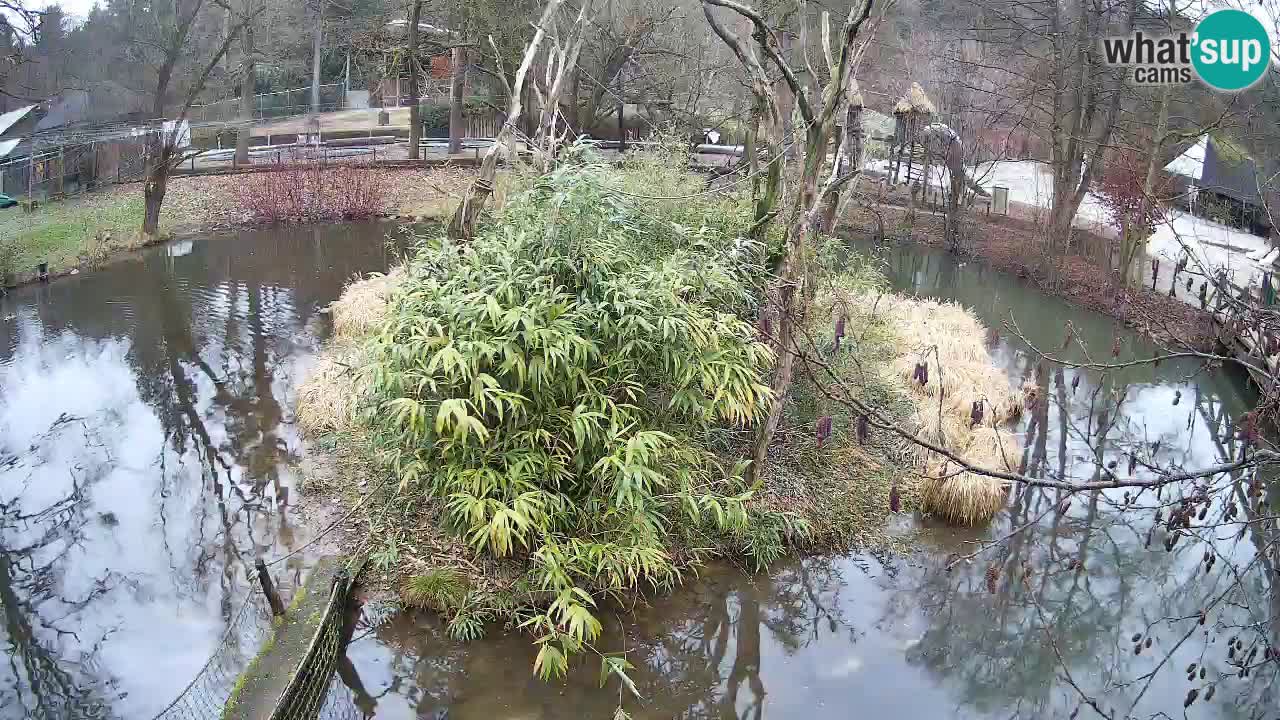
x: 269, y: 588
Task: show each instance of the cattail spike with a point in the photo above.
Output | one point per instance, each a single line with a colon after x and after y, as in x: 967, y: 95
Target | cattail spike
x: 895, y: 500
x: 975, y: 414
x: 824, y: 429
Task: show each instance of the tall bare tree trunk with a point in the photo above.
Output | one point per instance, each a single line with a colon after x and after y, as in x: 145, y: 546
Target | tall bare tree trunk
x: 315, y: 59
x: 848, y: 159
x: 155, y: 186
x: 462, y: 225
x: 571, y: 114
x: 790, y: 292
x: 415, y: 119
x: 1134, y: 239
x: 248, y: 69
x: 457, y: 89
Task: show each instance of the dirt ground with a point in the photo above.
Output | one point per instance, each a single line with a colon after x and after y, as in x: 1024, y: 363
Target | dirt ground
x: 341, y: 121
x: 210, y: 202
x: 1015, y: 245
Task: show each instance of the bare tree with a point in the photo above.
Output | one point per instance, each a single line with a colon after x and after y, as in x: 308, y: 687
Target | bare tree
x: 248, y: 78
x: 179, y: 44
x: 462, y: 225
x: 791, y: 290
x: 457, y: 87
x: 317, y: 46
x: 561, y: 62
x: 415, y: 119
x: 17, y: 20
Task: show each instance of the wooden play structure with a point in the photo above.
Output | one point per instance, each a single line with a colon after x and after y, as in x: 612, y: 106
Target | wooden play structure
x: 913, y: 113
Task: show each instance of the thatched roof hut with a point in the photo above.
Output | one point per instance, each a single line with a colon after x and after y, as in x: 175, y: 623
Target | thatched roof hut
x: 914, y: 102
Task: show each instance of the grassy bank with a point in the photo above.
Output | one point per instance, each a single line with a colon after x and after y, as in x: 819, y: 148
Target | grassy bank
x: 70, y: 234
x: 552, y: 417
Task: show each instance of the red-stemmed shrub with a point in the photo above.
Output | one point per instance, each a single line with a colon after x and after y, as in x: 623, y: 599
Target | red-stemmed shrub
x: 1120, y: 191
x: 313, y: 191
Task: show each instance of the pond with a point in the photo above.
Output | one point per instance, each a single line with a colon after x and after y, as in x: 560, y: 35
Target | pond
x: 147, y: 450
x: 831, y: 637
x: 147, y: 453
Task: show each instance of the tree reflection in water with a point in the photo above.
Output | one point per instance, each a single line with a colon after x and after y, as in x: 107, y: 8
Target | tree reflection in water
x: 52, y: 669
x: 127, y: 539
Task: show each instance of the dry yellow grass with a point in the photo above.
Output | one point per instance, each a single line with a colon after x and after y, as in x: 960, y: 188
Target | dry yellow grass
x: 330, y: 397
x: 362, y: 307
x: 949, y: 339
x: 961, y: 497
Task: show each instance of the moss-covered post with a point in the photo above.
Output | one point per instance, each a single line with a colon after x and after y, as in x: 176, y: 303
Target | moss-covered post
x: 269, y: 588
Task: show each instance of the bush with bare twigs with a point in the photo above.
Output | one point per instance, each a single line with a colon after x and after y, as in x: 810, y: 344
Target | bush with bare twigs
x: 313, y: 191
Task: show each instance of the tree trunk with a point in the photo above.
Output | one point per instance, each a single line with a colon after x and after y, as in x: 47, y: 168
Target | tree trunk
x: 415, y: 118
x: 153, y: 191
x: 571, y: 114
x: 248, y: 68
x: 786, y: 99
x: 1139, y: 235
x: 622, y: 122
x: 850, y: 161
x: 315, y: 60
x: 1130, y: 249
x: 955, y: 173
x: 788, y: 293
x: 457, y: 88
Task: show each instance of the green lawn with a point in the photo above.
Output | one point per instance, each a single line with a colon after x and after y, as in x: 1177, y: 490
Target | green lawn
x: 69, y: 233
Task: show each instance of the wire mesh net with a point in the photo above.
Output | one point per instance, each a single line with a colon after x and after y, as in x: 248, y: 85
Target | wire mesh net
x: 305, y: 695
x: 207, y: 694
x: 314, y: 691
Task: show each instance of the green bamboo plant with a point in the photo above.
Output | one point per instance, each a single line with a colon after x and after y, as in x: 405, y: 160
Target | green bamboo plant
x: 553, y: 382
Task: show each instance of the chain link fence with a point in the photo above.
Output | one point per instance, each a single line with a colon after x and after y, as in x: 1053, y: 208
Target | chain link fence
x: 304, y: 696
x: 273, y: 105
x: 64, y: 169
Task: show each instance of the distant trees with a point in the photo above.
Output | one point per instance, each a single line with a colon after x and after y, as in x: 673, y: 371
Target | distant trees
x: 16, y: 22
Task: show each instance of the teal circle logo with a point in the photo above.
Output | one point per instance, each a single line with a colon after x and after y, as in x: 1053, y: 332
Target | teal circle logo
x: 1232, y: 50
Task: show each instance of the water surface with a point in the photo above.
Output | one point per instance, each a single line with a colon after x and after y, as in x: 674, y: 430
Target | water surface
x: 148, y: 453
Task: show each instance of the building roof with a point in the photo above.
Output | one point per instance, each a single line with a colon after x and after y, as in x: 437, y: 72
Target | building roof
x: 12, y: 117
x: 1217, y: 164
x: 7, y: 146
x: 1190, y: 164
x: 1229, y: 171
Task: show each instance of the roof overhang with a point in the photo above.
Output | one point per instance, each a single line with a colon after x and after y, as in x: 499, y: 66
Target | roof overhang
x: 12, y: 117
